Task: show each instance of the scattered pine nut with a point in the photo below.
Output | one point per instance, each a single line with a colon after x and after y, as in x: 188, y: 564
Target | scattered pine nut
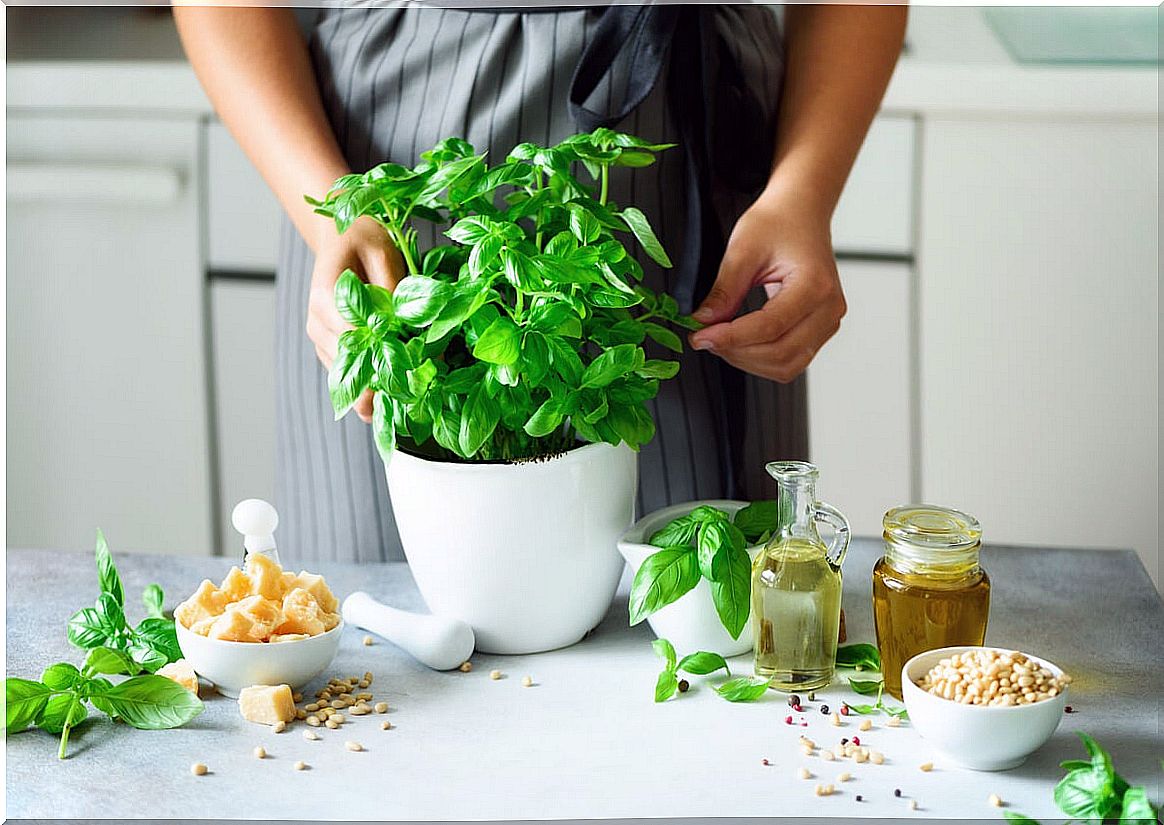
x: 466, y: 667
x: 198, y: 769
x: 806, y: 749
x: 912, y: 805
x: 360, y: 710
x: 824, y: 790
x: 381, y: 707
x: 385, y: 725
x: 804, y: 774
x: 300, y: 713
x: 363, y: 683
x: 495, y: 675
x: 926, y: 766
x: 995, y: 800
x: 893, y: 722
x: 860, y: 755
x: 312, y: 707
x: 313, y: 721
x: 865, y: 725
x: 844, y: 776
x: 827, y: 755
x: 338, y: 703
x: 876, y: 757
x: 331, y: 723
x: 339, y: 718
x: 311, y: 736
x: 839, y: 751
x: 367, y: 641
x: 368, y: 676
x: 835, y: 718
x: 353, y: 746
x: 260, y: 752
x: 300, y: 765
x: 526, y: 681
x: 280, y: 726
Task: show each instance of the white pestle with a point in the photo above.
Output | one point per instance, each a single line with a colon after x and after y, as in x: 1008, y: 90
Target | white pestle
x: 256, y: 520
x: 435, y: 641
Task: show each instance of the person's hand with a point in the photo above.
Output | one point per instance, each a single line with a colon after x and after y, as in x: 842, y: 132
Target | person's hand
x: 788, y: 249
x: 366, y: 250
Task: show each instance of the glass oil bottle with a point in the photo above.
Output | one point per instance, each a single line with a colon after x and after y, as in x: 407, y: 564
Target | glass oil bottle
x: 796, y: 585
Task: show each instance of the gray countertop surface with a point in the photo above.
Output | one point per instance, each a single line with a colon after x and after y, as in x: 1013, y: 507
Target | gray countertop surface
x: 586, y: 741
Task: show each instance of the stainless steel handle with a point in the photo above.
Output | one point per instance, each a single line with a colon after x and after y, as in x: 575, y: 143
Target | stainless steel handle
x: 127, y: 184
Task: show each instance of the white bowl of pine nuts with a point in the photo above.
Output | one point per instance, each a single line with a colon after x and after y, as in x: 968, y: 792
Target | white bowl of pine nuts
x: 984, y: 708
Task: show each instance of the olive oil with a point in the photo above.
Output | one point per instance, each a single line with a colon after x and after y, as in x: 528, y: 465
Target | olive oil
x: 796, y: 599
x: 796, y: 586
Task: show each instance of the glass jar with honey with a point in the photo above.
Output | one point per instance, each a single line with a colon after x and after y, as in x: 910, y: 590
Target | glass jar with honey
x: 928, y: 589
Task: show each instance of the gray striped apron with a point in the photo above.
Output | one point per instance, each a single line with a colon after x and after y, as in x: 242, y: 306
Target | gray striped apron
x: 394, y: 81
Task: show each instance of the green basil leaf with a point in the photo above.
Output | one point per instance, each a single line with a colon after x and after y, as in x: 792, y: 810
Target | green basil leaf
x: 470, y: 230
x: 662, y: 578
x: 61, y: 676
x: 641, y: 228
x: 634, y: 159
x: 1137, y: 808
x: 1085, y: 793
x: 666, y: 685
x: 500, y: 343
x: 161, y: 636
x: 1075, y: 764
x: 351, y: 298
x: 658, y: 369
x: 24, y: 701
x: 701, y: 663
x: 419, y: 299
x: 383, y: 426
x: 756, y: 520
x: 612, y: 364
x: 421, y: 377
x: 583, y: 225
x: 661, y: 335
x: 152, y: 597
x: 107, y: 571
x: 706, y: 512
x: 479, y: 418
x: 93, y: 690
x: 349, y: 376
x: 865, y: 688
x: 859, y: 655
x: 666, y: 651
x: 743, y: 689
x: 731, y: 589
x: 711, y: 538
x: 86, y: 629
x: 110, y: 613
x: 108, y: 660
x: 864, y: 709
x: 631, y: 423
x: 547, y: 418
x: 152, y: 702
x: 1019, y: 819
x: 678, y: 532
x: 565, y: 360
x: 61, y: 710
x: 900, y: 713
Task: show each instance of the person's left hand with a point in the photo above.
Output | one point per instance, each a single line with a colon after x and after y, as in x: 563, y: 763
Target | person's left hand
x: 787, y: 248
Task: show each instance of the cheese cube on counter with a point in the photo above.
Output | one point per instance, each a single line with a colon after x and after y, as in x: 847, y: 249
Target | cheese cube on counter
x: 266, y: 704
x: 181, y: 672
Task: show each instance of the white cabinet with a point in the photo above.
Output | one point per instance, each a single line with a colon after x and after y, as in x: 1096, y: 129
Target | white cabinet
x: 242, y: 215
x: 1039, y: 308
x: 242, y: 317
x: 107, y: 423
x: 875, y: 213
x: 860, y: 397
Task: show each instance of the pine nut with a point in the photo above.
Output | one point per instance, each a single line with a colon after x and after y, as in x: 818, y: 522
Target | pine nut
x: 367, y: 641
x: 311, y: 708
x: 385, y: 725
x: 804, y: 774
x: 300, y: 713
x: 835, y: 718
x: 311, y: 736
x: 876, y: 757
x: 806, y: 750
x: 360, y: 710
x: 280, y: 726
x: 260, y: 752
x: 381, y: 707
x: 995, y: 800
x: 198, y: 769
x: 363, y: 683
x: 865, y: 725
x: 926, y: 766
x: 313, y: 721
x: 300, y: 765
x: 364, y: 696
x: 526, y: 681
x: 495, y: 675
x: 827, y: 755
x: 466, y: 667
x: 331, y: 723
x: 339, y: 718
x: 845, y: 776
x: 893, y: 722
x: 912, y: 805
x: 353, y: 746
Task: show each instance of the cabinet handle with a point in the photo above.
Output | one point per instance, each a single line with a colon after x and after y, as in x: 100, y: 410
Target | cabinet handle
x: 77, y: 183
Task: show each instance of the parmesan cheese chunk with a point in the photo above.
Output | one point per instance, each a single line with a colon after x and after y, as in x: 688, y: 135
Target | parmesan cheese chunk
x: 266, y: 704
x: 181, y: 672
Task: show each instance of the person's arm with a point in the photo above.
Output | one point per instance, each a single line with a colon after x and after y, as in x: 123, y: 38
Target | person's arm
x: 839, y: 60
x: 255, y: 67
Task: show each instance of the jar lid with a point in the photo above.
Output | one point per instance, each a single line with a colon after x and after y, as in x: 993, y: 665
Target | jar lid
x: 932, y: 526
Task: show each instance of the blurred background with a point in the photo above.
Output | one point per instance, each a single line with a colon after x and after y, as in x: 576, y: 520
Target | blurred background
x: 998, y: 242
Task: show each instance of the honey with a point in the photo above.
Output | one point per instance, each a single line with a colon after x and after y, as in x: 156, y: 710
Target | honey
x: 929, y: 590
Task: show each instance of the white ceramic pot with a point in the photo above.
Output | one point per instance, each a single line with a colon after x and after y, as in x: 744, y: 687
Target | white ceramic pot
x: 525, y: 553
x: 690, y: 623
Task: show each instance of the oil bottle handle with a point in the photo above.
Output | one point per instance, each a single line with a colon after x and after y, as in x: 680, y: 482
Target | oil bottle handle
x: 833, y: 517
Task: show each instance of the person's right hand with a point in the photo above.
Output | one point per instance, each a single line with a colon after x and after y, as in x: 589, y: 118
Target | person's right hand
x: 366, y: 250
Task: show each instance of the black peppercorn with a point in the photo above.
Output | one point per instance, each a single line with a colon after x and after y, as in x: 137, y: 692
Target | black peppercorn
x: 793, y: 700
x: 683, y: 685
x: 824, y: 709
x: 859, y: 798
x: 897, y: 792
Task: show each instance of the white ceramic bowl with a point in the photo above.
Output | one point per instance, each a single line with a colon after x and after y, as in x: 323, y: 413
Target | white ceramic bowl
x: 690, y: 623
x: 984, y: 738
x: 232, y: 666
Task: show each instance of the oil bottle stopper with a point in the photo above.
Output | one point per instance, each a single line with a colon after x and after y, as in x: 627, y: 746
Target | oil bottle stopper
x: 256, y: 520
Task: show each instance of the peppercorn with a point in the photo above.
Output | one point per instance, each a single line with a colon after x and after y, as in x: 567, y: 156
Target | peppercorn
x: 684, y: 685
x: 793, y: 701
x: 857, y: 740
x: 844, y: 710
x: 845, y: 741
x: 824, y: 709
x: 812, y: 696
x: 897, y: 792
x: 764, y: 762
x: 788, y: 720
x: 860, y: 798
x: 1068, y: 709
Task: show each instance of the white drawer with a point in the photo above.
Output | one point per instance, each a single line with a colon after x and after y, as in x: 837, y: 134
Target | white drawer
x: 243, y: 216
x: 875, y: 214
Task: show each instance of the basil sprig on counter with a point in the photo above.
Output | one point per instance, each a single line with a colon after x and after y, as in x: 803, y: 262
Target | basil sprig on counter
x: 860, y: 657
x: 702, y: 663
x: 60, y: 700
x: 1092, y: 790
x: 706, y: 543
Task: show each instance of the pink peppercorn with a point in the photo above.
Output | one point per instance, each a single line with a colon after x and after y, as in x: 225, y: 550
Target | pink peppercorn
x: 856, y: 740
x: 844, y: 710
x: 788, y: 720
x: 764, y: 762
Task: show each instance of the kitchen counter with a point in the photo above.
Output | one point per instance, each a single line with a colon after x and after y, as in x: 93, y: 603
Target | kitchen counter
x: 586, y: 741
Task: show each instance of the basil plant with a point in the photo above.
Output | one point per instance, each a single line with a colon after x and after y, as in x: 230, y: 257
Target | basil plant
x: 524, y: 334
